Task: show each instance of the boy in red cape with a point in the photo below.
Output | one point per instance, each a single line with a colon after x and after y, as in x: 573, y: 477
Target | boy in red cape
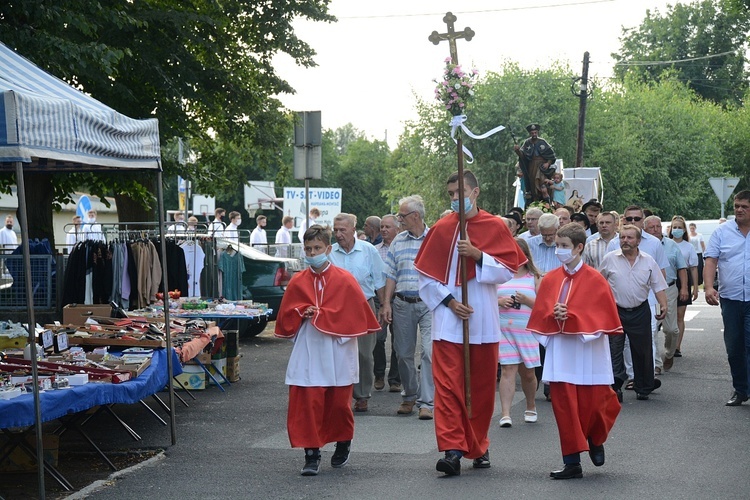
x: 492, y: 257
x: 323, y: 309
x: 577, y: 365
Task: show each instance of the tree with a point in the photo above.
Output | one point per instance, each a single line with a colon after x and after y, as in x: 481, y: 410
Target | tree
x: 703, y: 44
x: 203, y: 68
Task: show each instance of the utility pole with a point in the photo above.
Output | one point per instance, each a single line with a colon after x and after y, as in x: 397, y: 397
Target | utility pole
x: 583, y: 94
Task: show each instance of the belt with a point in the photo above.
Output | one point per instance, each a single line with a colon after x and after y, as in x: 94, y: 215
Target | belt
x: 411, y: 299
x: 671, y: 283
x: 631, y: 309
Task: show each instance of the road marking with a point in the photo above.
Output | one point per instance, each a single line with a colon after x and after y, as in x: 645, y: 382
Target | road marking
x: 690, y: 315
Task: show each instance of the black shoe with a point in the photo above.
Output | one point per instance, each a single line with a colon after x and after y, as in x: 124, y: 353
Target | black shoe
x: 570, y: 471
x: 641, y: 396
x: 341, y: 454
x: 482, y: 462
x: 450, y: 465
x: 657, y: 383
x: 677, y: 353
x: 619, y: 395
x: 597, y: 454
x: 312, y: 462
x: 736, y: 399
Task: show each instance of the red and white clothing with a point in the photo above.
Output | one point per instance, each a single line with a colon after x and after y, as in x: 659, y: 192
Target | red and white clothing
x: 324, y: 362
x: 437, y: 263
x: 578, y: 366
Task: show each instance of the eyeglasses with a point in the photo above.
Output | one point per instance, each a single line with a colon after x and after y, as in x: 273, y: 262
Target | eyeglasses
x: 636, y: 219
x: 404, y: 216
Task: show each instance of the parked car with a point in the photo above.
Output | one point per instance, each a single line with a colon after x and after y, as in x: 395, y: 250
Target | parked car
x: 265, y: 279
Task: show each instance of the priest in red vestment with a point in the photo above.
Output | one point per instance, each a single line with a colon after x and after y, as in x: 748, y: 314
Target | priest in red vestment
x: 492, y: 258
x: 323, y: 310
x: 578, y: 364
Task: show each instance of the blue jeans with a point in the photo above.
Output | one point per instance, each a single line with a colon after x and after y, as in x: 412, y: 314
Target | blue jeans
x: 736, y: 316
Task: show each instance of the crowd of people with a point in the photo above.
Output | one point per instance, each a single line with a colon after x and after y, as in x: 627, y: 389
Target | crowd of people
x: 530, y: 276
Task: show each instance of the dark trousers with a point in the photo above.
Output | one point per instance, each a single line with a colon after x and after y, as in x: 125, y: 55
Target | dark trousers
x: 380, y: 356
x: 736, y: 317
x: 636, y: 322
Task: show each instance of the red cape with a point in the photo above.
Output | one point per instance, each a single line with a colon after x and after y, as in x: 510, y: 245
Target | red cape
x: 485, y: 231
x: 343, y: 310
x: 591, y: 305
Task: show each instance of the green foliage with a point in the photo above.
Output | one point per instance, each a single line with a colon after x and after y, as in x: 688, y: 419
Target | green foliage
x: 689, y: 33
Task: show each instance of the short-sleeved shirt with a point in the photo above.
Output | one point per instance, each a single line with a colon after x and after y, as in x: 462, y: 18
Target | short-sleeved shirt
x: 364, y: 262
x: 543, y: 256
x: 732, y: 250
x: 649, y: 244
x: 631, y: 284
x: 399, y: 263
x: 595, y: 250
x: 675, y: 257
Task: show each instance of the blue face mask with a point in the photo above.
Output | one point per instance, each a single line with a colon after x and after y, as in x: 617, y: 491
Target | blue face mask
x: 678, y: 233
x: 316, y: 261
x: 468, y: 205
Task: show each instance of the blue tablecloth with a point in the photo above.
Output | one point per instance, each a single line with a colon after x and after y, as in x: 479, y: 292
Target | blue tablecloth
x: 19, y: 412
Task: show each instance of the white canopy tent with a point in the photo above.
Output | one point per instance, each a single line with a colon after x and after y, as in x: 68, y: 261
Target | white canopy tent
x: 47, y: 125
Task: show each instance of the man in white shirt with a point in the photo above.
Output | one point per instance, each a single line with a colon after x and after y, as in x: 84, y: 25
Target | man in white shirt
x: 232, y: 232
x: 8, y: 237
x: 179, y: 225
x: 216, y: 228
x: 284, y: 236
x: 92, y: 230
x: 74, y: 234
x: 258, y: 236
x: 314, y: 214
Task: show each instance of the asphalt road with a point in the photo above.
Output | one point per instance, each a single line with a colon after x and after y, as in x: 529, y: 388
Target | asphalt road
x: 681, y: 443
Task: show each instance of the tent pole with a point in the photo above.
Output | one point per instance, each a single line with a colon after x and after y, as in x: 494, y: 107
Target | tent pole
x: 167, y: 330
x: 24, y: 220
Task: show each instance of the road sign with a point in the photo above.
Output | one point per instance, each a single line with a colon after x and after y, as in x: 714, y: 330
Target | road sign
x: 723, y: 187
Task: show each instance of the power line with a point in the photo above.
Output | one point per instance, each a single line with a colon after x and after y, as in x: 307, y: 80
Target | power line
x: 658, y: 63
x: 506, y: 9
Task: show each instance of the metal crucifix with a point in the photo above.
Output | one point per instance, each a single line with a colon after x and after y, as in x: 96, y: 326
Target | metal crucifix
x: 436, y: 38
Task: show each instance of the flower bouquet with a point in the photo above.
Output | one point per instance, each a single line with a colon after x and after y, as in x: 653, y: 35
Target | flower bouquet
x: 456, y: 88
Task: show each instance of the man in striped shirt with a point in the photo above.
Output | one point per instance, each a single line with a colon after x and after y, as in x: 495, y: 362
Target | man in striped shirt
x: 409, y: 314
x: 596, y: 245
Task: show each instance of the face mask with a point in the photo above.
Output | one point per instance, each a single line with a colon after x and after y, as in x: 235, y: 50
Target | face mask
x: 564, y: 255
x: 678, y: 233
x: 468, y: 205
x: 9, y: 226
x: 238, y: 222
x: 316, y: 261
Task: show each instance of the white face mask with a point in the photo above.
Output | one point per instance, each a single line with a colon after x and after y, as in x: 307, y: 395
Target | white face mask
x: 564, y: 255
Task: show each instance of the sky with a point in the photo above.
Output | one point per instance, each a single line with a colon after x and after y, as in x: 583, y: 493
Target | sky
x: 376, y: 58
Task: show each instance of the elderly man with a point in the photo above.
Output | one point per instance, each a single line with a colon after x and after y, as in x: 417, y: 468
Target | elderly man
x: 542, y: 246
x: 372, y: 229
x: 532, y: 223
x: 729, y: 250
x: 389, y: 228
x: 92, y: 229
x: 410, y: 316
x: 666, y: 338
x: 363, y: 261
x: 632, y: 274
x: 597, y: 244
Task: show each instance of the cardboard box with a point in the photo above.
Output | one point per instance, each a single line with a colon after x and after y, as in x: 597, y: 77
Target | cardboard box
x: 20, y: 461
x: 77, y: 314
x: 192, y: 377
x: 217, y: 365
x: 203, y: 357
x: 233, y: 368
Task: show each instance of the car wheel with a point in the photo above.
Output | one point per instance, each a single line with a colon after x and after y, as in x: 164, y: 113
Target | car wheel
x: 254, y: 328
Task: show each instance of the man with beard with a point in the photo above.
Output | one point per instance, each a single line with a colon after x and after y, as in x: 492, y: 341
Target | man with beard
x: 536, y: 158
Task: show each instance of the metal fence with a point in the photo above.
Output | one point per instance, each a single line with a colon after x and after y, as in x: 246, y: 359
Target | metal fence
x: 13, y: 282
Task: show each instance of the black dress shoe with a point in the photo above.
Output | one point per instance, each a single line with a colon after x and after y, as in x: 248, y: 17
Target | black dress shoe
x: 570, y: 471
x: 450, y: 465
x: 736, y: 399
x: 597, y: 454
x: 641, y: 396
x: 619, y: 395
x: 482, y: 462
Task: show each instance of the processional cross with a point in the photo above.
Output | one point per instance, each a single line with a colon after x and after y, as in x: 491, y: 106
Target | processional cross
x: 452, y: 35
